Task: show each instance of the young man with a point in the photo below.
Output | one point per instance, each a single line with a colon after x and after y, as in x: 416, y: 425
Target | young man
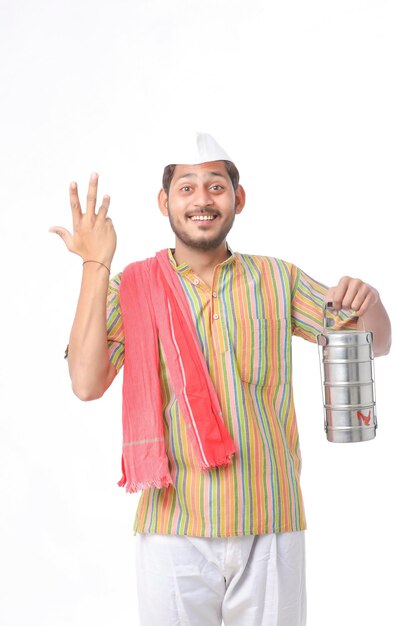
x: 210, y: 432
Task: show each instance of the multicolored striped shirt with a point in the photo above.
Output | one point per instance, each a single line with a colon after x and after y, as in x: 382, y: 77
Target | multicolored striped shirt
x: 244, y: 322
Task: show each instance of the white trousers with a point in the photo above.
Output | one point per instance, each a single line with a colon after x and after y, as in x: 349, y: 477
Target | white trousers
x: 257, y: 580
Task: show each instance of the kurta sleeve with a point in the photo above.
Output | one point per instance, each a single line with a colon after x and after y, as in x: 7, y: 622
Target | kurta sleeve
x: 307, y: 308
x: 115, y: 332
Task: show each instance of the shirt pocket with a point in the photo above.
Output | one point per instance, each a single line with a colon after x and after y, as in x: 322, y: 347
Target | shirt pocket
x: 262, y: 349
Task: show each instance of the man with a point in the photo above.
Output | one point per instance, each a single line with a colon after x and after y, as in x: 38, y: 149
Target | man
x: 200, y: 322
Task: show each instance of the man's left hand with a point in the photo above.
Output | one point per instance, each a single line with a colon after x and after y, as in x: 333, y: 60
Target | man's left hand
x: 353, y: 293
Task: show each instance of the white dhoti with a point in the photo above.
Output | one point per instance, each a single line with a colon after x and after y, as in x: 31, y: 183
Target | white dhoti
x: 256, y: 580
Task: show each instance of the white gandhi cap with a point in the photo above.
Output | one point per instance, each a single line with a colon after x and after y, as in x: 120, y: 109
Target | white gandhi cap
x: 193, y: 149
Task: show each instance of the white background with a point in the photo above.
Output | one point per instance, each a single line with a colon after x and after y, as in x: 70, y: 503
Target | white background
x: 316, y: 102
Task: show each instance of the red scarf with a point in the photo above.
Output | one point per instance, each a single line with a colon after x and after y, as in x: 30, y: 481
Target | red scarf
x: 155, y: 308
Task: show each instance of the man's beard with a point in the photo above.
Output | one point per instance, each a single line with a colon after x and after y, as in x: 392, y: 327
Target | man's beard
x: 203, y: 243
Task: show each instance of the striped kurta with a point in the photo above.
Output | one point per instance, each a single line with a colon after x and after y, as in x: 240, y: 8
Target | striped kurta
x: 244, y: 322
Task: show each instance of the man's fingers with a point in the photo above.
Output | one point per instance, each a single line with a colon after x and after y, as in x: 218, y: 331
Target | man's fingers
x: 351, y: 293
x: 92, y: 196
x: 361, y: 297
x: 337, y: 294
x: 102, y: 212
x: 63, y: 233
x: 365, y: 305
x: 75, y: 204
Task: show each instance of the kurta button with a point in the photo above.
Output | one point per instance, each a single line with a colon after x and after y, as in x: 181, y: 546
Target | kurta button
x: 214, y: 294
x: 196, y: 281
x: 215, y: 316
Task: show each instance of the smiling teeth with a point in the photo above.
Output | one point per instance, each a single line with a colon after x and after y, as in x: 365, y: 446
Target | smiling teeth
x: 202, y: 218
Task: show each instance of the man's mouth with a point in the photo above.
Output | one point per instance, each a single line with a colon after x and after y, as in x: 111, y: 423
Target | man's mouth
x: 202, y: 218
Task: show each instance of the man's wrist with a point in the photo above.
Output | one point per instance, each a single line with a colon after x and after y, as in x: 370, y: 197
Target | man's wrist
x: 93, y: 262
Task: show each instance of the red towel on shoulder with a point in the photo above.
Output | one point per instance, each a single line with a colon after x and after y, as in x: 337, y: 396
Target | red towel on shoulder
x: 155, y: 308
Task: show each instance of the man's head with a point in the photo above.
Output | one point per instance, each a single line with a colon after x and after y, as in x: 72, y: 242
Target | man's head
x: 201, y: 194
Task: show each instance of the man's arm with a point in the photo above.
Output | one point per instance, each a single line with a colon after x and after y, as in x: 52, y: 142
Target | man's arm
x: 352, y: 293
x: 94, y: 240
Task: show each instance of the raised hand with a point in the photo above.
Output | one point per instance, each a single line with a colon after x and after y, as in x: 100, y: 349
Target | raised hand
x: 93, y: 237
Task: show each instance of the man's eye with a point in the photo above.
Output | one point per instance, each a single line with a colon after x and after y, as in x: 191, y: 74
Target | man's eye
x: 216, y: 187
x: 186, y: 188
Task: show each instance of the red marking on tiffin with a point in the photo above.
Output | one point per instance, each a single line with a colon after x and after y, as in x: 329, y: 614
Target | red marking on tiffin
x: 365, y: 418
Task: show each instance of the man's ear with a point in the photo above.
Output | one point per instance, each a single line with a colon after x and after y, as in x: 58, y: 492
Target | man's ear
x: 240, y: 199
x: 163, y: 202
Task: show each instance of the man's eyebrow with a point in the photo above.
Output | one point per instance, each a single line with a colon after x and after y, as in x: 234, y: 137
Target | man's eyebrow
x: 192, y: 175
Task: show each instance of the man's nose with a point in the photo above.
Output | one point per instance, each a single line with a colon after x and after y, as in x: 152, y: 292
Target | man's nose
x: 203, y: 198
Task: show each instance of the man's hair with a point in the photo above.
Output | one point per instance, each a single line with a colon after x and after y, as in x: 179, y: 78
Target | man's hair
x: 230, y: 167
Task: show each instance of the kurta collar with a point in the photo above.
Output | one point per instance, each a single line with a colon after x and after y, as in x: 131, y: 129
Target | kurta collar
x: 184, y: 267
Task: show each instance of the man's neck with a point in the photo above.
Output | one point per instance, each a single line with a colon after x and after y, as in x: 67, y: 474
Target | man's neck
x: 202, y: 262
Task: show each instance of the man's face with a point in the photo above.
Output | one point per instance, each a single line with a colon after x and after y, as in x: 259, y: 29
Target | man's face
x: 201, y: 204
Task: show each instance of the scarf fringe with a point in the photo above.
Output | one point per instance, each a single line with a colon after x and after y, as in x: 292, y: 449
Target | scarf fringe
x: 214, y: 465
x: 134, y: 486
